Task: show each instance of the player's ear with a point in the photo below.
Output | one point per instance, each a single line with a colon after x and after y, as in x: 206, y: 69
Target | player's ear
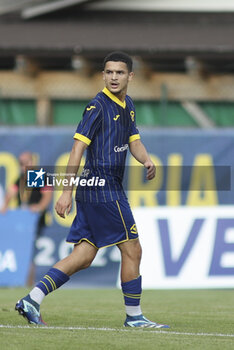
x: 103, y: 75
x: 130, y: 76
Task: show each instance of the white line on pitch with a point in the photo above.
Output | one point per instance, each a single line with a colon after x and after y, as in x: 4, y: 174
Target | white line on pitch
x: 116, y: 330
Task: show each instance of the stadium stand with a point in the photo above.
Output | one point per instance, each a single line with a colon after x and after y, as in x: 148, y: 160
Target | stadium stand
x: 51, y: 57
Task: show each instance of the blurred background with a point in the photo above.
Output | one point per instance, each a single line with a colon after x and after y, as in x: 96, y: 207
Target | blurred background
x: 51, y: 55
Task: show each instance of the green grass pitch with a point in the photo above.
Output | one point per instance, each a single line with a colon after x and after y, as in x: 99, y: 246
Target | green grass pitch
x: 93, y: 320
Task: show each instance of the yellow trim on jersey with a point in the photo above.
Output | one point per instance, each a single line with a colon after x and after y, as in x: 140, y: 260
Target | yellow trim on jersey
x: 84, y: 239
x: 114, y: 98
x: 133, y: 138
x: 105, y: 246
x: 83, y: 138
x: 125, y: 240
x: 122, y: 218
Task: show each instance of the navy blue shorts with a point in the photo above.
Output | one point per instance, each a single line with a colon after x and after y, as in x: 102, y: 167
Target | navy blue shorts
x: 103, y: 224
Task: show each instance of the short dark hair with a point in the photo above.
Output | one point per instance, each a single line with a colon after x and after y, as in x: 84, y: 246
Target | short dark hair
x: 119, y: 56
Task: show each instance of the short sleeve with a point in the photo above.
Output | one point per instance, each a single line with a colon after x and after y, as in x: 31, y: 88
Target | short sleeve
x: 134, y: 132
x: 89, y: 124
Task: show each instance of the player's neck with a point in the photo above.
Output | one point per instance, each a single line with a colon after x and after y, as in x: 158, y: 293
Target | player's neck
x: 121, y: 95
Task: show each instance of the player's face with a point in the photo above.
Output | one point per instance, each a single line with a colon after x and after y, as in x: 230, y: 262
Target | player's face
x: 25, y: 160
x: 116, y: 77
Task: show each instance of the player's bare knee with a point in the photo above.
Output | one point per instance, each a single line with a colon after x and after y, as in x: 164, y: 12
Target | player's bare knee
x: 87, y: 263
x: 136, y: 248
x: 131, y: 251
x: 139, y: 252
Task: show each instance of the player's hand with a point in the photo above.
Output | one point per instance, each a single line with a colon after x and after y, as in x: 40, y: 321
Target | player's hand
x: 64, y: 204
x: 151, y: 170
x: 3, y: 210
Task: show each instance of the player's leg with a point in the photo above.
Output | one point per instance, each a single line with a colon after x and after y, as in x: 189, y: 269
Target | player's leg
x: 80, y: 258
x: 131, y: 285
x: 130, y: 275
x: 131, y: 258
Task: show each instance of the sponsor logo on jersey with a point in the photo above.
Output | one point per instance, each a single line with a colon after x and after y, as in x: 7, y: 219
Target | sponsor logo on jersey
x: 89, y: 108
x: 121, y: 149
x: 133, y: 229
x: 116, y: 117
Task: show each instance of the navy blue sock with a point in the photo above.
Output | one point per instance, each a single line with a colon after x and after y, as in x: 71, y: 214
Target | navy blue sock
x: 52, y: 280
x: 132, y: 292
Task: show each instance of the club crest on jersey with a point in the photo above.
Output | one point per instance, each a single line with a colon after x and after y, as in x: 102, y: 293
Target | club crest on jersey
x: 132, y: 114
x: 85, y: 172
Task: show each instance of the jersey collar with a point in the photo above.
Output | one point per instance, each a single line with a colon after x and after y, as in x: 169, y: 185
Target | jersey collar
x: 114, y: 98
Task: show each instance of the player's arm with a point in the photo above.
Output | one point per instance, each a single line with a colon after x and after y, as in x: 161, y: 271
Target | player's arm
x: 64, y: 203
x: 12, y: 192
x: 139, y: 152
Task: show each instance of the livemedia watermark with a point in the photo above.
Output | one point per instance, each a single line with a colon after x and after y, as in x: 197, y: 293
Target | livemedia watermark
x: 132, y: 178
x: 40, y: 178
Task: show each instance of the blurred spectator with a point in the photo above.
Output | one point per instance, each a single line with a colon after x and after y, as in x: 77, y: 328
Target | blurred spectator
x: 35, y: 199
x: 1, y: 196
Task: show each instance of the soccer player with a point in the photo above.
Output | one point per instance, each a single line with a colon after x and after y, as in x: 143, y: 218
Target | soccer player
x: 104, y: 217
x: 36, y: 200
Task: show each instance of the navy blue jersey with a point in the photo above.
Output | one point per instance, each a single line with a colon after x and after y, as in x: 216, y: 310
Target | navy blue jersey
x: 107, y: 127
